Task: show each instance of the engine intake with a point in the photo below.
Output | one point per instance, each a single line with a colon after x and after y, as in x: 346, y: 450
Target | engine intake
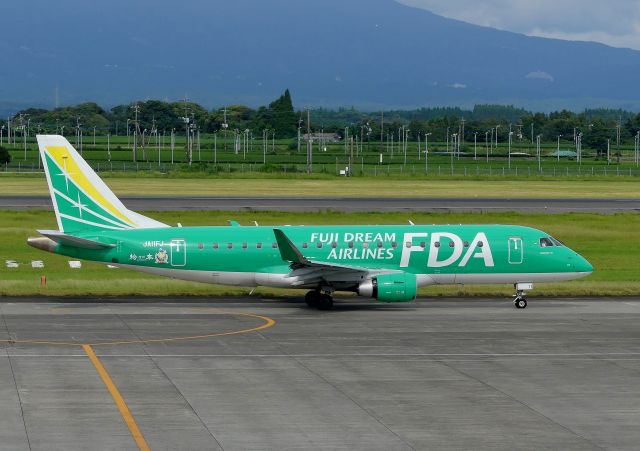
x: 400, y: 287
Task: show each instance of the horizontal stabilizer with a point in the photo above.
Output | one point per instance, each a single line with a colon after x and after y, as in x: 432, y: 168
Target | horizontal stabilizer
x: 74, y: 241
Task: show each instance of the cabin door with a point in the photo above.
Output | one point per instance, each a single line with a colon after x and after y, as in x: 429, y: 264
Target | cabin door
x: 178, y: 253
x: 516, y: 251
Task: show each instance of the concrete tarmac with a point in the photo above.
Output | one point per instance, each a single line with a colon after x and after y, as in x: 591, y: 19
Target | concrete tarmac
x: 446, y: 374
x: 158, y: 203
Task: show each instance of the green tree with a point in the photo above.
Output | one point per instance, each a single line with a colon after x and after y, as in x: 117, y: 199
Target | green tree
x: 280, y: 116
x: 5, y: 156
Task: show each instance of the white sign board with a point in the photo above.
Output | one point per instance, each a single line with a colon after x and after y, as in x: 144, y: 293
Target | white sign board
x: 75, y: 264
x: 11, y: 263
x: 37, y: 264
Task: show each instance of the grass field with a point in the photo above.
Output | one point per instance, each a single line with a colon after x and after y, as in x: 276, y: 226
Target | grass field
x: 344, y: 187
x: 609, y: 242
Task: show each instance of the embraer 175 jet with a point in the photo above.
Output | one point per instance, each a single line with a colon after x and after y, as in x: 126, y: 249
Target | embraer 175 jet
x: 388, y: 263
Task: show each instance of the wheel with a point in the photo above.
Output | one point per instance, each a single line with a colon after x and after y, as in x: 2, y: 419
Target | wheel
x: 521, y: 303
x: 325, y: 302
x: 312, y: 298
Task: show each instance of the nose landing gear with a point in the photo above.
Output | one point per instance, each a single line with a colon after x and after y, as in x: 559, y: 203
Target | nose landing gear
x: 520, y: 300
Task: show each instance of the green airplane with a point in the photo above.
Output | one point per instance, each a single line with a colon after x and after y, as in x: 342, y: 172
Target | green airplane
x: 387, y: 263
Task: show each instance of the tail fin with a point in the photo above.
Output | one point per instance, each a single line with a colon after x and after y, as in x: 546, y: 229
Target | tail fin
x: 81, y: 200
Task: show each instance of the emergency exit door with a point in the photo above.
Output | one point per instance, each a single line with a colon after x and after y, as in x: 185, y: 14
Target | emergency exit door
x: 178, y: 253
x: 516, y: 251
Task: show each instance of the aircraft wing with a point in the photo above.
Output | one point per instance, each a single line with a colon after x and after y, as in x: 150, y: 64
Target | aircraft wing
x: 311, y: 272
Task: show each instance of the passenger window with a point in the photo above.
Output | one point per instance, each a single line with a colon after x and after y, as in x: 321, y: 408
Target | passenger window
x: 380, y: 244
x: 365, y: 245
x: 423, y: 244
x: 334, y: 245
x: 437, y: 244
x: 200, y: 246
x: 466, y: 244
x: 452, y: 244
x: 230, y: 246
x: 244, y: 245
x: 258, y: 245
x: 304, y: 245
x: 480, y: 244
x: 408, y: 244
x: 319, y: 245
x: 274, y: 245
x: 350, y: 244
x: 215, y: 245
x: 394, y: 244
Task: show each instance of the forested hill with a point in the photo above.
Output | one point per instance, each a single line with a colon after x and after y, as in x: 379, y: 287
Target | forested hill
x: 366, y: 53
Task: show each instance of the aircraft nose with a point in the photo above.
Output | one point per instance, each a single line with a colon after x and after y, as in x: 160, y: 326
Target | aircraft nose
x: 581, y: 264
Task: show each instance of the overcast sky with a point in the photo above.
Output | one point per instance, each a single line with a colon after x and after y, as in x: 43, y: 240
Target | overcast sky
x: 612, y: 22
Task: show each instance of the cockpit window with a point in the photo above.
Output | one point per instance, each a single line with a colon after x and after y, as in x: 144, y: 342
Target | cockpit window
x: 556, y: 242
x: 546, y: 242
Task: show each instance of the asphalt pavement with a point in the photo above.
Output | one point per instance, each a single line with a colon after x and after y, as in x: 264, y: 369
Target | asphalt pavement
x: 265, y: 374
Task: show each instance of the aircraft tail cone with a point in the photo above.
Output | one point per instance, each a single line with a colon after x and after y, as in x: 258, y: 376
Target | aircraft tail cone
x: 42, y: 243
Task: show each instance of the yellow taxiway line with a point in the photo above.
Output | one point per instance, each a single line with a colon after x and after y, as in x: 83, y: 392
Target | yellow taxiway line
x: 118, y: 399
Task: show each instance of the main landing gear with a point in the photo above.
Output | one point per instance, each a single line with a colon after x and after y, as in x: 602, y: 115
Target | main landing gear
x: 319, y: 300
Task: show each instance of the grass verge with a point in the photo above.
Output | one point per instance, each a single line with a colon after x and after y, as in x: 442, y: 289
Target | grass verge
x: 347, y: 187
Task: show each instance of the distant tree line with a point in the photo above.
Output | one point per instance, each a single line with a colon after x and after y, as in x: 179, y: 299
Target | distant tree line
x: 597, y: 126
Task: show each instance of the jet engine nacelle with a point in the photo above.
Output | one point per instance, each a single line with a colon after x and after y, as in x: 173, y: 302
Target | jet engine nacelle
x: 397, y: 287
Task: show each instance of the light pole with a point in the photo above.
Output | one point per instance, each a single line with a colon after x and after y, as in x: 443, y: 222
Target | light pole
x: 558, y: 150
x: 497, y: 127
x: 426, y: 152
x: 486, y: 143
x: 128, y: 139
x: 475, y: 146
x: 510, y: 137
x: 1, y: 134
x: 539, y: 152
x: 580, y: 148
x: 453, y: 146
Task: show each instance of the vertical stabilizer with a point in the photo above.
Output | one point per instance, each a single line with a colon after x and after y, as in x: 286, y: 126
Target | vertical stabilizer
x: 80, y: 198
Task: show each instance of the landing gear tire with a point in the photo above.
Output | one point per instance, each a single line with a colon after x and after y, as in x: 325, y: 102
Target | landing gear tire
x: 520, y: 303
x: 312, y: 298
x: 325, y: 302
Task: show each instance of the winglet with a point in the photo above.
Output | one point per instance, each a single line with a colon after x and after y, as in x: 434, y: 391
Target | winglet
x: 288, y: 250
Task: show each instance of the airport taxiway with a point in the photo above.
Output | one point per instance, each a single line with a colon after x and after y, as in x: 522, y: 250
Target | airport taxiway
x: 347, y: 204
x: 251, y: 373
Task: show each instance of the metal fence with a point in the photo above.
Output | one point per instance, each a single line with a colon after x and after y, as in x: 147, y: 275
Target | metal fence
x: 359, y: 170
